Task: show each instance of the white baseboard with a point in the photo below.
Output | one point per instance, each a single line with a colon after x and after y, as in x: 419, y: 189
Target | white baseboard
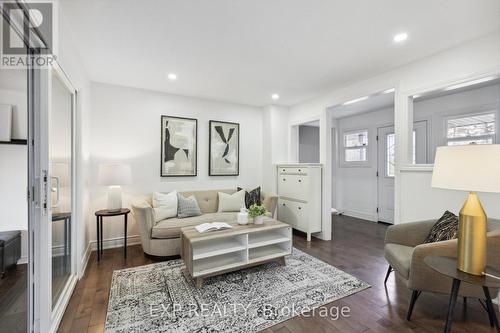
x: 22, y: 260
x: 359, y: 215
x: 85, y: 260
x: 112, y: 243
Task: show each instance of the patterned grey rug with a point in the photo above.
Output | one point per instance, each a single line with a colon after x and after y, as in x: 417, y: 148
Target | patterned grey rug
x: 161, y: 298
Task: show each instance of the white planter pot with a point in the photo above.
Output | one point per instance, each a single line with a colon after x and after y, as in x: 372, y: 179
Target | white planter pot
x: 258, y: 219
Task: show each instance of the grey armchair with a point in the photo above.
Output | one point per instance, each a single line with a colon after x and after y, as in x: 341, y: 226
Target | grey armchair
x: 405, y: 254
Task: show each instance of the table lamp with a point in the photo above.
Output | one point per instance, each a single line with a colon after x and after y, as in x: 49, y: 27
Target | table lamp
x: 469, y: 168
x: 114, y: 175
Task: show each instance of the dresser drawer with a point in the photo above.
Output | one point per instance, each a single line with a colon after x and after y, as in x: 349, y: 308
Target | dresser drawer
x: 293, y: 213
x: 292, y: 171
x: 293, y: 186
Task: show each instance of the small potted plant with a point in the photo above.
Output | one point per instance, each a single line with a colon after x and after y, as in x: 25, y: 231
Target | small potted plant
x: 257, y: 213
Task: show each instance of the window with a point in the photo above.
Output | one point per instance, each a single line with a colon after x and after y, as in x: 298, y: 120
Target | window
x: 479, y: 129
x: 355, y: 146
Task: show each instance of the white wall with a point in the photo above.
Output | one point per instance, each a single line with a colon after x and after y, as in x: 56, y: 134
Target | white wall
x: 275, y: 144
x: 415, y: 198
x: 308, y: 144
x: 125, y: 127
x: 356, y: 190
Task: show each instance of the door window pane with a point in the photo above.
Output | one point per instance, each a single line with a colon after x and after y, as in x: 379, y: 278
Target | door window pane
x: 355, y: 155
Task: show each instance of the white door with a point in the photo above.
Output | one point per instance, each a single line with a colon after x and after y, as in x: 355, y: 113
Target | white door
x: 385, y: 173
x: 55, y: 204
x: 386, y: 165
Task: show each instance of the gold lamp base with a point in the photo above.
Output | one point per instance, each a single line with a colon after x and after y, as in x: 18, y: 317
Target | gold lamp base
x: 472, y: 237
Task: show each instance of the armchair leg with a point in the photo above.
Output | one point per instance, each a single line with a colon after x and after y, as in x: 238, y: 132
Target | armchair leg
x: 389, y: 270
x: 414, y: 297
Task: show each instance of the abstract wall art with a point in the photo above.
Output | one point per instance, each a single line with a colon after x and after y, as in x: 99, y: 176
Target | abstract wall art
x: 224, y: 149
x: 178, y: 146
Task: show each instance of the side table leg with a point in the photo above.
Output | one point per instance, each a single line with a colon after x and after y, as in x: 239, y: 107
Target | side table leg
x: 125, y: 239
x: 98, y: 238
x: 491, y: 309
x: 102, y: 238
x: 451, y: 305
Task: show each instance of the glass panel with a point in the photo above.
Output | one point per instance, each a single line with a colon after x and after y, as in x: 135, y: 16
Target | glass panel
x: 471, y: 126
x: 61, y: 183
x: 355, y: 155
x: 390, y: 158
x: 357, y: 139
x: 14, y: 295
x: 468, y: 142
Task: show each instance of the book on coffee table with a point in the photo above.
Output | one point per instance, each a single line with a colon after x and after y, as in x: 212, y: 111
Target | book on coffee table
x: 212, y: 226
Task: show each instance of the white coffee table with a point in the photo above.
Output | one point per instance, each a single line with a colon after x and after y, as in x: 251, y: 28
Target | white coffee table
x: 217, y: 252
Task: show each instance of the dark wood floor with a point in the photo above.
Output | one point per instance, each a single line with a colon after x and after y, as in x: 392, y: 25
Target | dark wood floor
x: 13, y: 300
x: 357, y: 248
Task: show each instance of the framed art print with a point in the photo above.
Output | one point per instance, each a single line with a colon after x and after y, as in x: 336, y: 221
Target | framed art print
x: 178, y: 146
x: 224, y: 149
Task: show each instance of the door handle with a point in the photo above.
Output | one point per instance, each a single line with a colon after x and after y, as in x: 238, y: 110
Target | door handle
x: 56, y: 189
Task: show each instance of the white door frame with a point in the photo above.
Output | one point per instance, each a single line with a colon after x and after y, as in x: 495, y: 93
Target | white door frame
x: 49, y: 317
x: 381, y: 173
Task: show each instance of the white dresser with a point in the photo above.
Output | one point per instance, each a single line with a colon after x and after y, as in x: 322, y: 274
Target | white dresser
x: 300, y: 196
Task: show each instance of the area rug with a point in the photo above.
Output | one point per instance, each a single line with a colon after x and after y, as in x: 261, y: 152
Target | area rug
x: 163, y: 298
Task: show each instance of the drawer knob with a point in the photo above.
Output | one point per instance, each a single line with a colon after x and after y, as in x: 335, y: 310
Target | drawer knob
x: 284, y: 205
x: 284, y: 179
x: 299, y: 170
x: 300, y: 180
x: 300, y: 207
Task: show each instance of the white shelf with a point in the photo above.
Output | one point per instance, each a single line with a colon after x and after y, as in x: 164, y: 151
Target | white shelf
x: 218, y: 263
x: 216, y: 247
x: 266, y: 252
x: 264, y: 239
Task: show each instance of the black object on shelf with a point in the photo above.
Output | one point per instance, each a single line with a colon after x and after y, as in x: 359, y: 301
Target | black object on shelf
x: 14, y: 142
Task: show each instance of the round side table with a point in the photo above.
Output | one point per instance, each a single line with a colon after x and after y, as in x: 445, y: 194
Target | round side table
x: 105, y: 213
x: 448, y: 267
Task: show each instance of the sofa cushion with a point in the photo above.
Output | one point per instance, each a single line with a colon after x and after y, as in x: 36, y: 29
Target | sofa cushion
x: 171, y: 228
x: 164, y: 205
x: 399, y: 257
x: 208, y: 201
x: 188, y: 207
x: 252, y: 197
x: 231, y: 202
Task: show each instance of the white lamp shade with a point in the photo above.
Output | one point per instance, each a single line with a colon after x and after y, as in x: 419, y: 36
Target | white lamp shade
x: 467, y: 168
x: 114, y: 174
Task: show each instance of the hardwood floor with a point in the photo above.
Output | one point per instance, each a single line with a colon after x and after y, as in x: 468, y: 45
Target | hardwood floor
x: 356, y: 247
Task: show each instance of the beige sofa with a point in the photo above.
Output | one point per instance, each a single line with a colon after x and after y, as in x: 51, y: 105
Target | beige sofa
x: 163, y: 237
x: 405, y: 252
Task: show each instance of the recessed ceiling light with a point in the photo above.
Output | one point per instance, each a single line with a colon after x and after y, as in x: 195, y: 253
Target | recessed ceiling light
x: 388, y: 91
x: 355, y: 100
x: 172, y: 76
x: 470, y: 83
x: 401, y: 37
x: 275, y: 97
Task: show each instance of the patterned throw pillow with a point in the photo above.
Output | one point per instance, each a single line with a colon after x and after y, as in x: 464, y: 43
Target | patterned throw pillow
x: 252, y: 197
x: 187, y: 207
x: 444, y: 229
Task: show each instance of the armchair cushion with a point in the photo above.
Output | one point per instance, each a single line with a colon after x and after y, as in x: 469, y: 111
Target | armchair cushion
x: 399, y: 257
x: 445, y: 228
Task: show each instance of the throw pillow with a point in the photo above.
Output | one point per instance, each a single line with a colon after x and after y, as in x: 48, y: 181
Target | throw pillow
x: 164, y: 205
x: 188, y: 207
x: 252, y: 197
x: 231, y: 202
x: 444, y: 229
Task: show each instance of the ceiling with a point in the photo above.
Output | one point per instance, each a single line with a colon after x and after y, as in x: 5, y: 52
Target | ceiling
x: 373, y: 103
x: 245, y: 50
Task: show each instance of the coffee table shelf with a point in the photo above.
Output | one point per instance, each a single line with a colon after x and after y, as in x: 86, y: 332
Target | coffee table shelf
x: 218, y: 252
x: 215, y: 247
